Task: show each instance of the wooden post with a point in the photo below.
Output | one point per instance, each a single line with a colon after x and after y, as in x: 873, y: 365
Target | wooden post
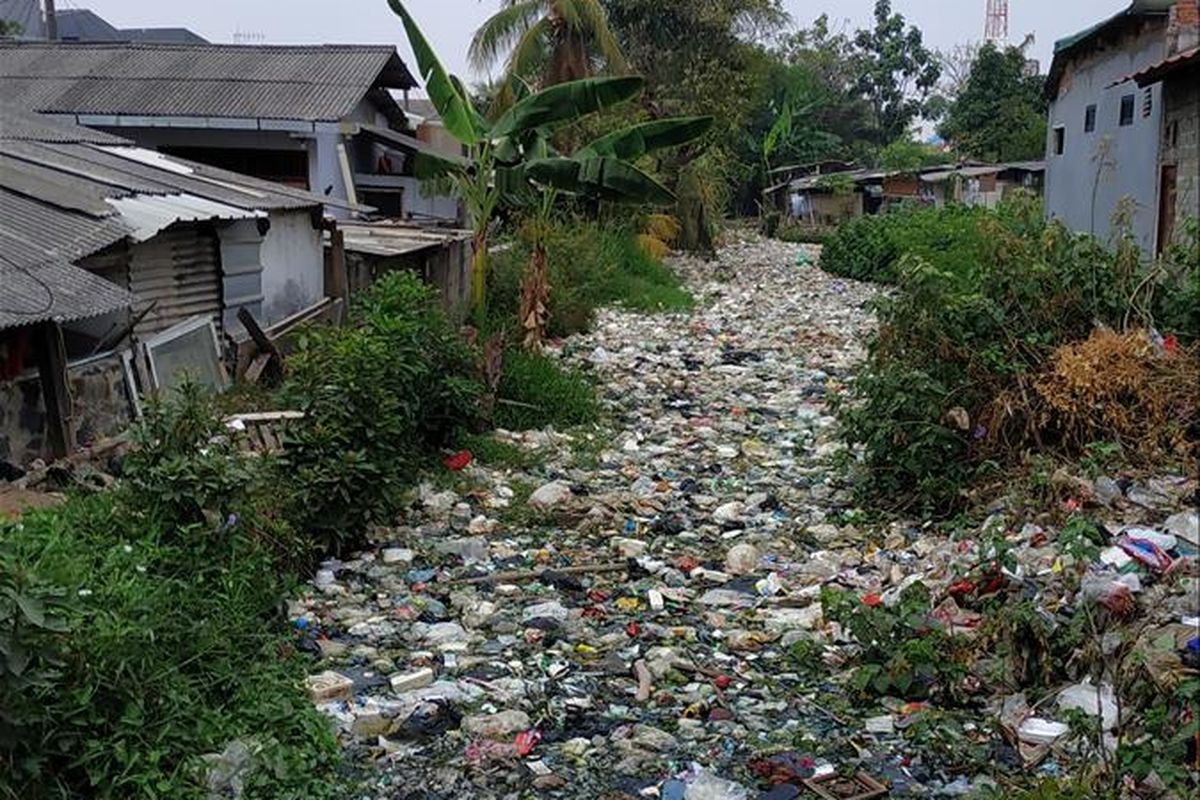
x: 337, y: 281
x: 51, y: 358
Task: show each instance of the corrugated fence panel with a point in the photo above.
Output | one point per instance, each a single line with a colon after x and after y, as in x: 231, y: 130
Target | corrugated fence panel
x: 179, y: 271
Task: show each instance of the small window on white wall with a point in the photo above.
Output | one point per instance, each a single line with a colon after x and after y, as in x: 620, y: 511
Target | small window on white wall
x: 1060, y: 140
x: 1147, y: 102
x: 1127, y: 103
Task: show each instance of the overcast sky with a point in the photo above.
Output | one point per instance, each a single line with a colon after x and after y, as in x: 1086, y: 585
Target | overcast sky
x: 449, y: 23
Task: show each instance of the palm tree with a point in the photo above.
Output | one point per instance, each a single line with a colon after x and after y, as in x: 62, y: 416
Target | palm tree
x: 547, y: 42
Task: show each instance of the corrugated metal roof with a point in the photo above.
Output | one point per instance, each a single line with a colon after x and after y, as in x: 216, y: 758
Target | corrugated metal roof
x: 54, y: 290
x: 146, y: 215
x: 391, y: 239
x: 65, y: 198
x: 48, y: 231
x: 311, y: 83
x: 56, y: 151
x: 1155, y: 73
x: 18, y: 124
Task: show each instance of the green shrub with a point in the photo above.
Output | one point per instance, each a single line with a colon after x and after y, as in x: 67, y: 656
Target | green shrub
x: 379, y: 395
x: 984, y: 299
x: 184, y: 467
x: 904, y: 650
x: 537, y: 391
x: 871, y: 247
x: 1179, y: 308
x: 154, y: 633
x: 590, y: 265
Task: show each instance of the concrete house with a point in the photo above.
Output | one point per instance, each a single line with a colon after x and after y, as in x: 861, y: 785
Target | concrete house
x: 321, y: 118
x: 1102, y: 146
x: 103, y: 244
x: 1179, y: 142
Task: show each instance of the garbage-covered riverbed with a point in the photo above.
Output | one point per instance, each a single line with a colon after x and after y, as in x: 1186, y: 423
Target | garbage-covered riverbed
x: 689, y: 605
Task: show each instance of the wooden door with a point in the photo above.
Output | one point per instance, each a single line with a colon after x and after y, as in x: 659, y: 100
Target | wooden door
x: 1166, y: 207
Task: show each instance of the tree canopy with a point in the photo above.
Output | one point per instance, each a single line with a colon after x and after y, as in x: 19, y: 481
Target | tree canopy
x: 999, y: 115
x: 897, y: 73
x: 546, y: 42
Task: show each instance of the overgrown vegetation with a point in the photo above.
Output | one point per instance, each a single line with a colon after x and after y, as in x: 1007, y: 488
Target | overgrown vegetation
x: 590, y: 265
x: 905, y: 651
x: 1010, y: 334
x: 536, y: 392
x: 147, y: 632
x: 380, y: 395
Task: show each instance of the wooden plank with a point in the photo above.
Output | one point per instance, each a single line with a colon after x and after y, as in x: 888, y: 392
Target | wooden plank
x: 265, y: 416
x: 255, y: 370
x: 51, y: 358
x: 265, y: 345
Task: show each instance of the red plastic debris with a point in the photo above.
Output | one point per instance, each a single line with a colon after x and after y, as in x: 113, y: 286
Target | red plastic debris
x: 961, y: 589
x: 594, y: 612
x: 458, y: 461
x: 686, y: 563
x: 873, y: 600
x: 1170, y: 343
x: 722, y: 681
x: 597, y: 595
x: 526, y: 741
x: 632, y: 630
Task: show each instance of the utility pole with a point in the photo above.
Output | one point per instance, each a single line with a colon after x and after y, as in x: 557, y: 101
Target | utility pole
x: 51, y: 21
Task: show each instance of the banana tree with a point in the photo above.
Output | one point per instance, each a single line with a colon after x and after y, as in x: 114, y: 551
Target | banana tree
x: 512, y: 152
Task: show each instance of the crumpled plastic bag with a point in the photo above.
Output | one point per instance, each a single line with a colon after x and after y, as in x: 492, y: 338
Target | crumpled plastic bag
x: 1095, y: 701
x: 1114, y: 593
x: 707, y: 786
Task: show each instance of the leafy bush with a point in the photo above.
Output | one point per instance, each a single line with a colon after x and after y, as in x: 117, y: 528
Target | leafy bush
x: 152, y: 628
x: 184, y: 467
x: 984, y: 302
x: 590, y: 265
x: 871, y: 247
x: 904, y: 651
x: 536, y: 391
x: 379, y: 395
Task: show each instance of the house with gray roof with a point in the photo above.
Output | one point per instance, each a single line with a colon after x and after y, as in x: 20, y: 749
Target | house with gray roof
x: 104, y: 245
x: 322, y: 118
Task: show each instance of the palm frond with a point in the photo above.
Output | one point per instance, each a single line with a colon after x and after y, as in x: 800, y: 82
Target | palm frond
x: 531, y: 51
x: 501, y: 31
x: 594, y: 24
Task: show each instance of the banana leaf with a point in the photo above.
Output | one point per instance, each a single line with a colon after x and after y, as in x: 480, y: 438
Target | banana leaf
x: 445, y: 92
x: 606, y: 177
x: 565, y: 102
x: 637, y: 140
x: 428, y: 166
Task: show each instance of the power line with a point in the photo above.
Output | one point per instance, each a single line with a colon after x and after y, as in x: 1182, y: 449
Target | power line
x: 26, y: 271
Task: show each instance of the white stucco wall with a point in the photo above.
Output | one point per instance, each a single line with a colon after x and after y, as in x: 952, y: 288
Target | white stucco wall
x: 293, y: 265
x: 420, y: 207
x: 324, y: 168
x: 1086, y: 184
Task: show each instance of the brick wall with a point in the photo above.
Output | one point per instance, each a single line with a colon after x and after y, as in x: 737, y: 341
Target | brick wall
x: 1181, y: 139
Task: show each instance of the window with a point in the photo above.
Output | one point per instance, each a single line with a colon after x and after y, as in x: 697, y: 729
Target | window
x: 1060, y: 140
x: 1089, y: 119
x: 1147, y: 102
x: 1172, y: 137
x: 1127, y: 103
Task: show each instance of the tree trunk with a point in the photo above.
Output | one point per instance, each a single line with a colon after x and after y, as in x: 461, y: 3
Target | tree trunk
x: 535, y: 299
x: 479, y: 277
